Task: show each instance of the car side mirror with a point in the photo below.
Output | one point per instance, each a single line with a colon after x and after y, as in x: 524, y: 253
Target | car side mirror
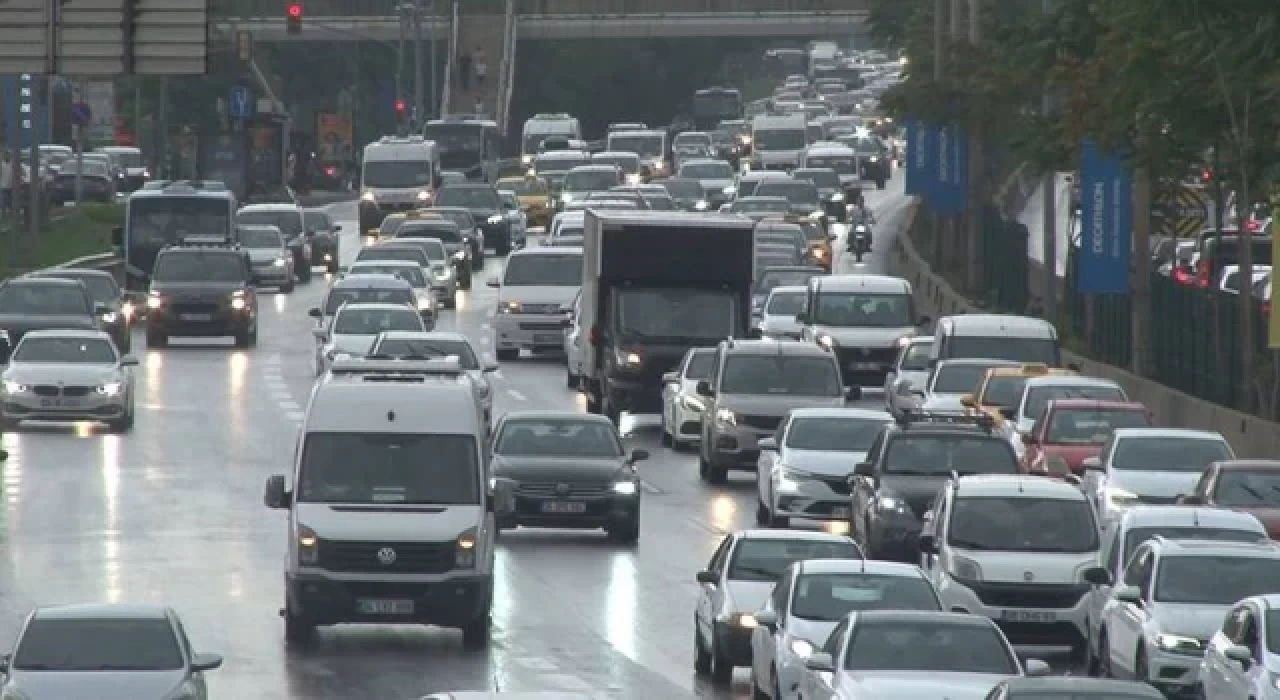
x: 832, y: 236
x: 928, y: 544
x: 1092, y: 464
x: 1028, y: 439
x: 128, y: 361
x: 1035, y: 667
x: 767, y: 619
x: 336, y: 228
x: 320, y: 333
x: 205, y: 662
x: 1129, y: 594
x: 709, y: 577
x: 767, y: 444
x: 704, y: 388
x: 1240, y: 654
x: 820, y: 662
x: 638, y: 456
x: 315, y: 313
x: 924, y: 321
x: 864, y: 469
x: 275, y: 495
x: 968, y: 401
x: 494, y: 282
x: 670, y: 378
x: 853, y: 393
x: 1097, y: 576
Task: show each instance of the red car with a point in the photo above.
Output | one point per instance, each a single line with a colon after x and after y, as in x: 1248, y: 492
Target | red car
x: 1073, y: 430
x: 1249, y: 485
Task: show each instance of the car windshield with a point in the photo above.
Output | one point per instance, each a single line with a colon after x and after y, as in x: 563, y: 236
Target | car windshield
x: 928, y: 646
x: 95, y: 351
x: 843, y: 165
x: 785, y: 303
x: 102, y: 288
x: 192, y: 266
x: 259, y: 238
x: 128, y: 159
x: 97, y: 168
x: 426, y: 348
x: 107, y: 644
x: 1247, y: 488
x: 917, y: 357
x: 289, y: 222
x: 1023, y: 524
x: 820, y: 178
x: 444, y: 231
x: 389, y: 468
x: 468, y: 197
x: 834, y: 433
x: 691, y: 139
x: 958, y: 378
x: 961, y: 452
x: 781, y: 375
x: 543, y: 271
x: 797, y: 192
x: 1038, y: 398
x: 659, y: 202
x: 766, y: 559
x: 683, y: 188
x: 1003, y: 390
x: 1091, y: 426
x: 644, y: 146
x: 779, y: 139
x: 783, y: 278
x: 357, y: 321
x: 1214, y: 580
x: 317, y: 221
x: 627, y: 164
x: 402, y: 253
x: 387, y: 295
x: 409, y: 273
x: 707, y: 171
x: 1138, y: 535
x: 552, y: 437
x: 773, y: 205
x: 525, y: 187
x: 700, y: 364
x: 1168, y: 453
x: 590, y: 180
x: 559, y: 164
x: 396, y: 174
x: 1042, y: 351
x: 829, y: 597
x: 852, y: 309
x: 648, y: 314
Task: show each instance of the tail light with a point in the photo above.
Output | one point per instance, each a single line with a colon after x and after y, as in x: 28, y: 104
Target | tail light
x: 1206, y: 175
x: 1181, y: 276
x: 1252, y: 225
x: 1202, y: 274
x: 330, y: 171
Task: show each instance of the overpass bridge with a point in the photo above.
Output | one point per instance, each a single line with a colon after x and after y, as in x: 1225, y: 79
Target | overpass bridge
x: 379, y: 20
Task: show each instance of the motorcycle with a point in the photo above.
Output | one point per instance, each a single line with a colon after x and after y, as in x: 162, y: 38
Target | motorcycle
x: 860, y: 241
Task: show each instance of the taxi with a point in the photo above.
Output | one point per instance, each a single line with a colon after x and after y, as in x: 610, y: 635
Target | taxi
x: 392, y: 222
x: 534, y: 195
x: 998, y: 393
x: 818, y: 236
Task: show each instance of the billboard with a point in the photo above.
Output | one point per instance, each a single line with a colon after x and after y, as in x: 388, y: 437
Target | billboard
x: 1106, y: 218
x: 333, y: 137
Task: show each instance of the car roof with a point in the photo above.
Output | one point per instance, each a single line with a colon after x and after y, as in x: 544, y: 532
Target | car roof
x: 43, y: 280
x: 1070, y: 380
x: 99, y: 611
x: 761, y: 198
x: 540, y: 250
x: 1209, y: 548
x: 1229, y: 464
x: 1120, y: 433
x: 867, y: 566
x: 865, y: 413
x: 1082, y: 687
x: 66, y: 333
x: 556, y: 415
x: 1186, y: 516
x: 871, y: 283
x: 704, y: 161
x: 429, y: 222
x: 964, y: 324
x: 1005, y: 485
x: 615, y: 154
x: 776, y: 535
x: 384, y: 263
x: 1032, y: 369
x: 769, y: 346
x: 467, y: 186
x: 594, y: 168
x: 269, y: 206
x: 1099, y: 405
x: 369, y: 281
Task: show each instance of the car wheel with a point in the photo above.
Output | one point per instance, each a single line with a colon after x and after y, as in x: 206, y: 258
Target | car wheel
x: 156, y: 339
x: 451, y: 302
x: 244, y: 339
x: 570, y: 381
x: 721, y: 668
x: 304, y: 273
x: 298, y: 629
x: 781, y: 522
x: 1104, y: 656
x: 507, y: 354
x: 701, y: 657
x: 762, y: 513
x: 626, y: 533
x: 704, y: 467
x: 333, y: 266
x: 475, y: 634
x: 287, y: 287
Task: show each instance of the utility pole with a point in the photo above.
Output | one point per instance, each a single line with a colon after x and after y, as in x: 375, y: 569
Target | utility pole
x: 35, y: 183
x: 1140, y: 308
x: 951, y: 245
x: 400, y: 68
x: 435, y: 94
x: 939, y: 34
x: 1049, y: 294
x: 419, y: 94
x: 977, y: 193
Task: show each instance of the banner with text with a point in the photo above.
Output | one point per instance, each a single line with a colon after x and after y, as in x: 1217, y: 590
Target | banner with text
x: 1106, y: 217
x: 951, y: 170
x: 912, y: 185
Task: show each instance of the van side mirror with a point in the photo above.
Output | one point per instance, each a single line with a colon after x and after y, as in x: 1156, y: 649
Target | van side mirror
x: 490, y: 367
x: 315, y: 313
x: 275, y: 495
x: 670, y: 378
x: 1097, y: 576
x: 128, y: 361
x: 500, y: 498
x: 864, y: 469
x: 968, y: 401
x: 928, y: 544
x: 1191, y: 500
x: 767, y: 444
x: 1092, y: 464
x: 767, y: 619
x: 709, y: 577
x: 1035, y: 668
x: 704, y: 388
x: 206, y: 662
x: 1241, y: 654
x: 821, y: 662
x: 1129, y: 594
x: 320, y: 333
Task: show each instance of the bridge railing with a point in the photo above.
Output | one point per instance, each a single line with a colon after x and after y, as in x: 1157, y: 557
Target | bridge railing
x: 376, y: 8
x: 506, y: 83
x: 451, y: 53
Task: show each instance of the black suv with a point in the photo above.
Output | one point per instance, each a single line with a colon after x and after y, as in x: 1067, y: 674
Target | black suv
x: 904, y: 470
x: 486, y: 208
x: 202, y: 290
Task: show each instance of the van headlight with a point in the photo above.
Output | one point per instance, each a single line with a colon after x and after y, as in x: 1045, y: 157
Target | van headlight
x: 1120, y: 498
x: 111, y: 388
x: 308, y: 545
x: 367, y: 196
x: 495, y: 220
x: 424, y: 304
x: 279, y: 262
x: 14, y: 387
x: 443, y: 273
x: 238, y: 303
x: 625, y: 488
x: 467, y: 544
x: 526, y: 159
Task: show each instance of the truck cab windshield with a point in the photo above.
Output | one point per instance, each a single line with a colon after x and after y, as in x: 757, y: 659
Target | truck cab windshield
x: 779, y: 139
x: 543, y: 271
x: 389, y: 468
x: 674, y: 314
x: 397, y: 173
x: 165, y: 220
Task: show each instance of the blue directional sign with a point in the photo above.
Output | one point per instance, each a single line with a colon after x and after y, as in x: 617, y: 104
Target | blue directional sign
x: 952, y: 165
x: 913, y: 187
x: 81, y: 115
x: 1106, y: 223
x: 240, y: 104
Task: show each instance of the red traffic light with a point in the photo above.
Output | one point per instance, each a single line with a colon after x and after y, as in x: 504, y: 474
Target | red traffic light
x: 400, y: 106
x: 294, y: 10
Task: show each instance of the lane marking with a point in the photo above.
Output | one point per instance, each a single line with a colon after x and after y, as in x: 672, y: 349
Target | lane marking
x: 516, y: 395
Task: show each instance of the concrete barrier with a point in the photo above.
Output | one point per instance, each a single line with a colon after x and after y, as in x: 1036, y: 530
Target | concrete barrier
x: 1249, y: 435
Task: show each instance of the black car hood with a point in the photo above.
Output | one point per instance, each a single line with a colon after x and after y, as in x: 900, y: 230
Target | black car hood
x: 917, y: 490
x: 558, y: 469
x: 195, y: 289
x: 481, y: 215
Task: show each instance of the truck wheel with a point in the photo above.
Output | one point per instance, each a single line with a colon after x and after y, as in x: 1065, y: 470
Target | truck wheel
x: 475, y: 633
x: 298, y: 629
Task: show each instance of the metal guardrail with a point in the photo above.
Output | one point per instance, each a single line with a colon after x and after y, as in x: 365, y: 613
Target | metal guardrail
x: 450, y: 53
x: 247, y: 9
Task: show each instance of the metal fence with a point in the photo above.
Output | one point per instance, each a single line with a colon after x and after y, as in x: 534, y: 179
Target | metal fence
x: 376, y: 8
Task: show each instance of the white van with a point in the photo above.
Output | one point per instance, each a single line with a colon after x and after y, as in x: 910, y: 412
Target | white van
x: 778, y: 142
x: 396, y: 174
x: 391, y: 513
x: 996, y: 337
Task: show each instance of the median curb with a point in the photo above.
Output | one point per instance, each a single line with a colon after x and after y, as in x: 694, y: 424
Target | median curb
x: 1250, y: 436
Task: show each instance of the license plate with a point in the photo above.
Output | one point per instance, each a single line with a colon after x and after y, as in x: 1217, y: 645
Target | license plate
x: 562, y: 507
x: 548, y: 338
x: 195, y: 317
x: 1040, y: 616
x: 60, y: 403
x: 840, y: 512
x: 865, y: 365
x: 384, y: 607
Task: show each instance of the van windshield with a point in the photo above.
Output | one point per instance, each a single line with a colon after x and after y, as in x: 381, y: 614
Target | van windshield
x: 389, y: 468
x: 1043, y: 351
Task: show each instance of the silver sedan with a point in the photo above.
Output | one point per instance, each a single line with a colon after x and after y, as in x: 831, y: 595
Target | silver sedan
x: 68, y: 375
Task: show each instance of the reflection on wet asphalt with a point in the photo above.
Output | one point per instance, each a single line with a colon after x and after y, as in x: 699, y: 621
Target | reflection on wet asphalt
x: 173, y: 513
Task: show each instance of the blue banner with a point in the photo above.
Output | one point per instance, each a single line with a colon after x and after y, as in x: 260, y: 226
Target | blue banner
x: 951, y: 176
x: 1106, y: 217
x: 912, y: 186
x: 927, y: 162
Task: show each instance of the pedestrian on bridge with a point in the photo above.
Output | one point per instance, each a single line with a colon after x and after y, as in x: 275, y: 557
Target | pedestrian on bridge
x: 482, y: 68
x: 464, y: 71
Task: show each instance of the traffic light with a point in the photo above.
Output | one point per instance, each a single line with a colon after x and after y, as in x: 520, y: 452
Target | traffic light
x: 293, y: 17
x: 400, y: 108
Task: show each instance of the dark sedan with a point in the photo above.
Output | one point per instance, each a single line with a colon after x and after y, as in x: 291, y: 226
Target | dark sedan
x: 486, y: 208
x: 120, y: 310
x: 97, y: 183
x: 568, y: 470
x: 470, y: 231
x: 35, y: 303
x: 326, y: 243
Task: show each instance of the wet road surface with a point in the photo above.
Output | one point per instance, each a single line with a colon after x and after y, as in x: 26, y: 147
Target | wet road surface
x: 172, y: 513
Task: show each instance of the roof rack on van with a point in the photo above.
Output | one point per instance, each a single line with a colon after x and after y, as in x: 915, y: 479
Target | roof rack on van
x: 206, y: 241
x: 412, y: 138
x: 394, y: 369
x: 983, y: 420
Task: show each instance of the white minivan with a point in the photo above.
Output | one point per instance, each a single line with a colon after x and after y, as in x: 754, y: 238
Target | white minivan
x: 391, y: 512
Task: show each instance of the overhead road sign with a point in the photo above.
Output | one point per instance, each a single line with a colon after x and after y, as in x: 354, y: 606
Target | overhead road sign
x: 240, y: 106
x: 105, y: 37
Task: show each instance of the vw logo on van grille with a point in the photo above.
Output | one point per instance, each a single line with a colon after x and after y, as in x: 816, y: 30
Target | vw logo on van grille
x: 1026, y: 576
x: 387, y: 556
x: 562, y: 489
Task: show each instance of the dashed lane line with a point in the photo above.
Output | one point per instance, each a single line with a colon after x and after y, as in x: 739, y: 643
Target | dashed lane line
x: 278, y: 388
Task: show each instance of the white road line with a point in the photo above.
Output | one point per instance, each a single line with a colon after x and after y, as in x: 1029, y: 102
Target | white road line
x: 516, y: 395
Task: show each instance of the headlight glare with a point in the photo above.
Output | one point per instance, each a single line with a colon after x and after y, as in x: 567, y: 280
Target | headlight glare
x: 279, y: 262
x: 14, y: 387
x: 111, y: 388
x: 308, y: 545
x: 625, y: 488
x: 154, y: 301
x: 726, y: 416
x: 367, y: 196
x: 467, y: 545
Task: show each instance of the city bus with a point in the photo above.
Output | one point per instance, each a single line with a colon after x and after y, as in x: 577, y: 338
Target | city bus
x: 472, y: 147
x: 714, y: 105
x: 166, y: 213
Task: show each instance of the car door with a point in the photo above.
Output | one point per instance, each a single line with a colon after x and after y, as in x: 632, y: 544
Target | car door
x: 892, y: 375
x: 768, y: 460
x: 671, y: 392
x: 710, y: 597
x: 1124, y: 621
x: 1109, y: 558
x: 817, y: 686
x: 935, y: 523
x: 1217, y: 672
x: 1241, y: 682
x: 862, y: 493
x: 1094, y: 483
x: 768, y: 647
